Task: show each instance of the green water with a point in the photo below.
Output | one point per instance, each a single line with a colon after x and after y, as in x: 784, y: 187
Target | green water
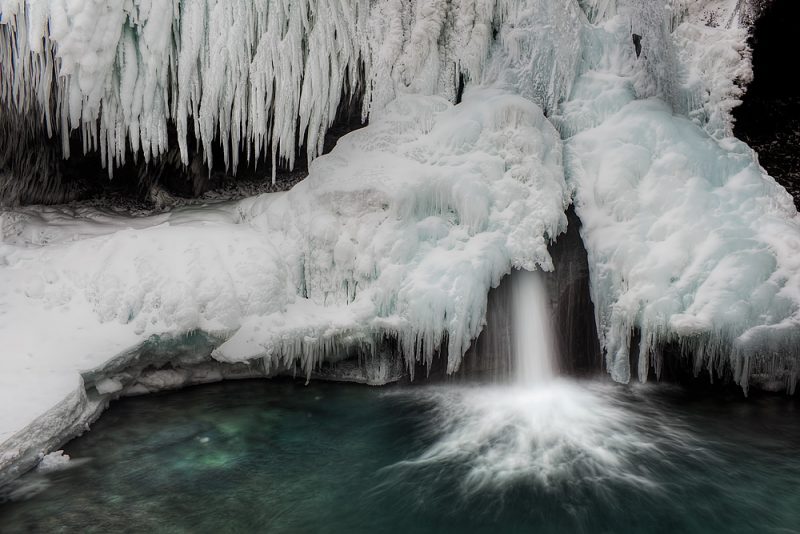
x: 271, y: 456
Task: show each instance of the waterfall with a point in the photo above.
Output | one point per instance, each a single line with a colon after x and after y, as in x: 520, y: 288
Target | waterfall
x: 534, y: 353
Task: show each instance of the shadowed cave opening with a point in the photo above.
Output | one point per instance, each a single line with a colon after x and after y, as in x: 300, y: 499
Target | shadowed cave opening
x: 34, y: 170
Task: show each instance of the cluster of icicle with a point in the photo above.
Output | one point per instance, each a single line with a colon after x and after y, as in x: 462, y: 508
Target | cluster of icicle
x: 266, y: 76
x: 260, y: 77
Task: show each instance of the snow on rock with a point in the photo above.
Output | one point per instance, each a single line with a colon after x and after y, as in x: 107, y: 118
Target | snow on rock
x: 69, y: 306
x: 400, y: 232
x: 55, y: 461
x: 689, y: 240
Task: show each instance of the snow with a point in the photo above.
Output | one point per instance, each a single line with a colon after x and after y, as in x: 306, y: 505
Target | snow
x: 689, y: 240
x: 399, y: 232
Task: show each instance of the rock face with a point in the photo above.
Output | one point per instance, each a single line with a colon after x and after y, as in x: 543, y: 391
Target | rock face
x: 573, y: 311
x: 769, y: 117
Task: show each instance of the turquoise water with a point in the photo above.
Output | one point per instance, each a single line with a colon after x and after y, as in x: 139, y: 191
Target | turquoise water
x: 278, y: 456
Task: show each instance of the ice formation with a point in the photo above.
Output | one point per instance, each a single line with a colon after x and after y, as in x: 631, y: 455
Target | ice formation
x: 412, y: 219
x: 400, y: 232
x: 689, y: 240
x: 257, y: 76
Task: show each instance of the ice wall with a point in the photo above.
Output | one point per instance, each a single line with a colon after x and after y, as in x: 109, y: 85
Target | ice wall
x: 689, y: 240
x: 402, y: 230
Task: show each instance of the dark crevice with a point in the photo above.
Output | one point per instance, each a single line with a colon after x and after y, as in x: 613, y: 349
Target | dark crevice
x: 769, y: 117
x: 573, y: 310
x: 462, y: 83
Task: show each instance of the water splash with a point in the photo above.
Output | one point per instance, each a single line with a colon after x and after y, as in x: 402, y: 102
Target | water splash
x: 550, y: 434
x: 569, y: 442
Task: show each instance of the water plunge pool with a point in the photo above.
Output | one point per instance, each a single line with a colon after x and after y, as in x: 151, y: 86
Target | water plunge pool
x: 278, y: 456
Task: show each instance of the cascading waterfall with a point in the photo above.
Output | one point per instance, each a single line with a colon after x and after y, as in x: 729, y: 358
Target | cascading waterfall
x: 534, y: 352
x: 534, y: 428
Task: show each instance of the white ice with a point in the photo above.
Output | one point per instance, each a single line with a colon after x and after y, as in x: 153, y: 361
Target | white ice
x: 689, y: 240
x: 406, y: 225
x: 400, y: 232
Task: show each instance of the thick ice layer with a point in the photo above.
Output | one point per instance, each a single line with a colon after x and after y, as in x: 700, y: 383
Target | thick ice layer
x: 711, y: 46
x: 399, y: 232
x: 694, y: 55
x: 688, y: 239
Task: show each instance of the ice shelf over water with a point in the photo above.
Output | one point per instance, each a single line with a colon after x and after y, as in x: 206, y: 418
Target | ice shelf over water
x: 398, y: 234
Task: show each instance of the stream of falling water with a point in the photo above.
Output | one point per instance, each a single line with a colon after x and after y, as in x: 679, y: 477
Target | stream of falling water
x: 538, y: 429
x: 533, y: 344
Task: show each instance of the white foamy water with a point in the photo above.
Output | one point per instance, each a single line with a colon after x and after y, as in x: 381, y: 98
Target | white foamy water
x: 541, y: 430
x: 534, y: 347
x: 549, y: 435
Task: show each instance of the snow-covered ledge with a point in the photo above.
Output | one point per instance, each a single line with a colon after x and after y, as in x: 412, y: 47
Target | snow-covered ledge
x: 158, y: 364
x: 399, y: 233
